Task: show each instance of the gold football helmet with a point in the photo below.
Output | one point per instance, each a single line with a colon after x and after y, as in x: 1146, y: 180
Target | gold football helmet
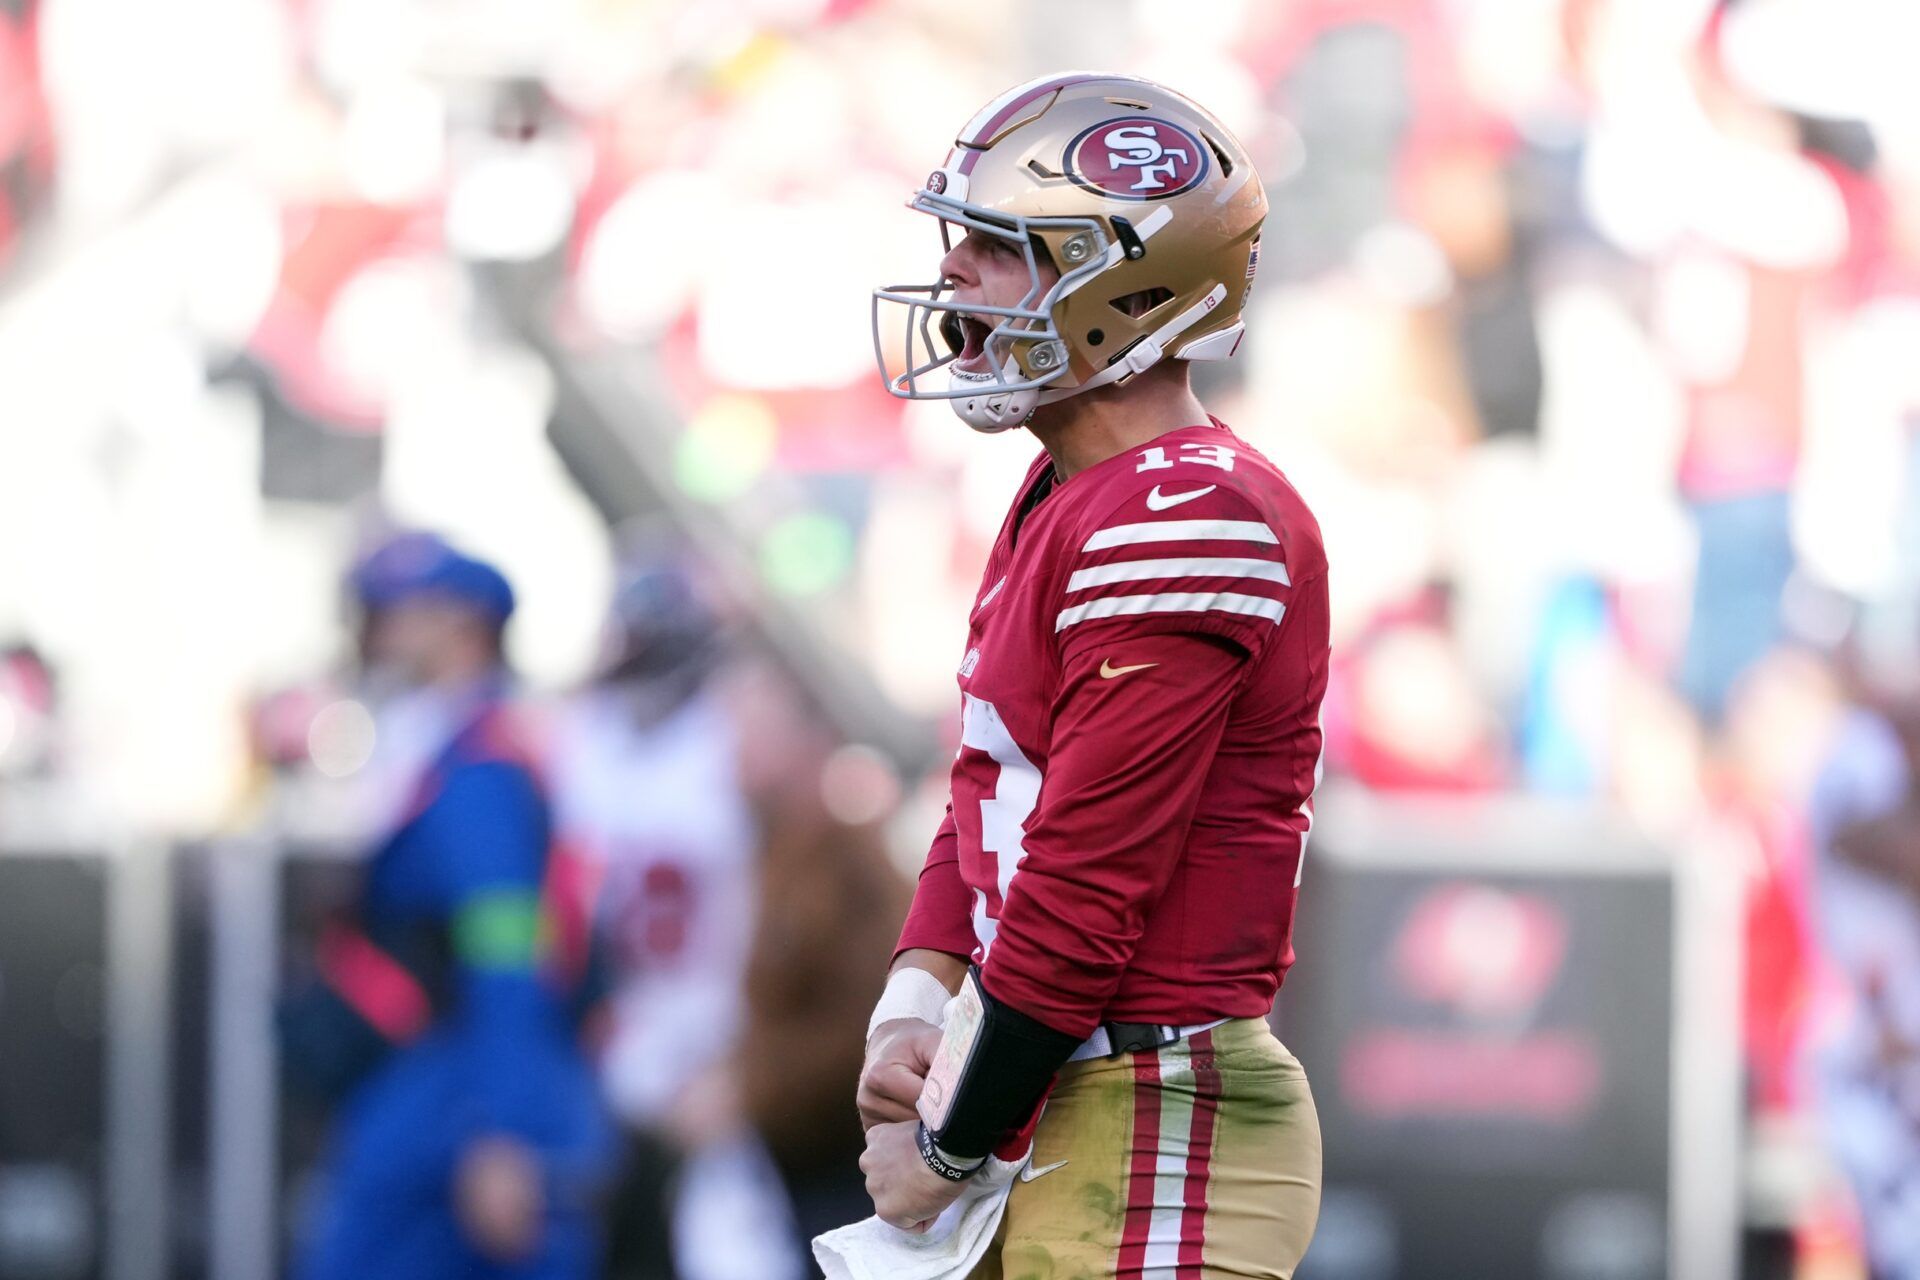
x: 1147, y: 207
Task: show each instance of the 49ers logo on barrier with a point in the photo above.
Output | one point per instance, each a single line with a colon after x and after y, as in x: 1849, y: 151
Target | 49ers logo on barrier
x: 1136, y: 158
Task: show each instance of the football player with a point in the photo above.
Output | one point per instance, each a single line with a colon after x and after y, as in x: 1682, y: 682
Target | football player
x: 1105, y: 914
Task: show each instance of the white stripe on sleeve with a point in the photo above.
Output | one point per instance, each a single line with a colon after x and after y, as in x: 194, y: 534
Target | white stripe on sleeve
x: 1172, y: 602
x: 1122, y: 535
x: 1195, y: 567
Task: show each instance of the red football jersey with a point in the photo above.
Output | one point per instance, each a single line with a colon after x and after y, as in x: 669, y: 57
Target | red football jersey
x: 1140, y: 706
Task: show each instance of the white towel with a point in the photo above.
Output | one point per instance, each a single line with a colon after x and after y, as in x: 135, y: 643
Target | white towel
x: 948, y: 1250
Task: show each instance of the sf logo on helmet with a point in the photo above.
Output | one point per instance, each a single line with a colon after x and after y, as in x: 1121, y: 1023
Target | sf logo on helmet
x: 1136, y: 158
x: 1140, y: 148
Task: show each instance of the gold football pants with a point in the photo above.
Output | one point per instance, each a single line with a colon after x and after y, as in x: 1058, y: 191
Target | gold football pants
x: 1197, y: 1161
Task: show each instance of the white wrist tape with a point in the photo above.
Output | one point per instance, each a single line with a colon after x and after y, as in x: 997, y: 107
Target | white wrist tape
x: 910, y: 993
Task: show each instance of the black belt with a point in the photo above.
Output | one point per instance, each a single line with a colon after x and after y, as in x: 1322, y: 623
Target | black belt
x: 1111, y: 1039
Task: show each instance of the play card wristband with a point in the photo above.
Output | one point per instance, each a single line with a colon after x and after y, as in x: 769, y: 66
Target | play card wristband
x: 992, y: 1068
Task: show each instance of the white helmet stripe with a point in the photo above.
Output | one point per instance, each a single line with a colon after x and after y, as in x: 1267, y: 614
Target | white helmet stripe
x: 1147, y: 352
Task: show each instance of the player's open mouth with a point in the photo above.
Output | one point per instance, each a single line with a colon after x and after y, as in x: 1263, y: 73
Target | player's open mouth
x: 967, y: 335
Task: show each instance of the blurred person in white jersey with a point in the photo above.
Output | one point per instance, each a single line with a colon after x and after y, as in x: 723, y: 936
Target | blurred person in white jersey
x: 648, y: 795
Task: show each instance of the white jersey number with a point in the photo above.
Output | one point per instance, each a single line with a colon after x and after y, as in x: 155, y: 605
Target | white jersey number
x: 1003, y: 816
x: 1213, y: 455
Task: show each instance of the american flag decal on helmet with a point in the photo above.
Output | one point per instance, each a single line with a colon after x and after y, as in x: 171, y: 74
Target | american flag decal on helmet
x: 1253, y: 258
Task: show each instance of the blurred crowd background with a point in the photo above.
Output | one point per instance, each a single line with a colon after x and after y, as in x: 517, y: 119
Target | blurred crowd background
x: 1587, y: 327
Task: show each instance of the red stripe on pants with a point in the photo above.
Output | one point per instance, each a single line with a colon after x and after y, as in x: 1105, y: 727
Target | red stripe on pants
x: 1206, y: 1104
x: 1140, y: 1171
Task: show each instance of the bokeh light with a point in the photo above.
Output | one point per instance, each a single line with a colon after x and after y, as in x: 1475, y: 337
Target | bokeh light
x: 806, y: 554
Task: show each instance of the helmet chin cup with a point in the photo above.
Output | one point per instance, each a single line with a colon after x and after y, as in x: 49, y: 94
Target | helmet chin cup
x: 990, y: 411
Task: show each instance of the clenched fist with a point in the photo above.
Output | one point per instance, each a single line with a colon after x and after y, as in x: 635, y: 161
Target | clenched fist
x: 899, y: 1055
x: 905, y: 1192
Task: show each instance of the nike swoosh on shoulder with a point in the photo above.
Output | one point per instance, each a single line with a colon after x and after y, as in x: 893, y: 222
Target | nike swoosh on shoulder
x: 1108, y: 671
x: 1030, y: 1172
x: 1158, y: 501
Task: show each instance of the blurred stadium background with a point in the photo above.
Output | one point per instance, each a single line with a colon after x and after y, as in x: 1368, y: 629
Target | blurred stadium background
x: 1588, y: 327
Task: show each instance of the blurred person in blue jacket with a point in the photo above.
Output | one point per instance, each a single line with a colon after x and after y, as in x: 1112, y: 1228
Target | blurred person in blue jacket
x: 469, y: 1138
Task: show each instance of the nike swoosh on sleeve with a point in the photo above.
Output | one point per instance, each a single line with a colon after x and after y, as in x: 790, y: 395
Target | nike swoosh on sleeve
x: 1157, y: 501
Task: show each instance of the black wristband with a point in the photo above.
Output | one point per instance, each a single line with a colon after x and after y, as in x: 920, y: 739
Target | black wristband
x: 1007, y: 1072
x: 937, y: 1160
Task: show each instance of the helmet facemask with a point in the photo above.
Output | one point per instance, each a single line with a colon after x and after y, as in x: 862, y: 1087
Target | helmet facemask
x: 1025, y: 351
